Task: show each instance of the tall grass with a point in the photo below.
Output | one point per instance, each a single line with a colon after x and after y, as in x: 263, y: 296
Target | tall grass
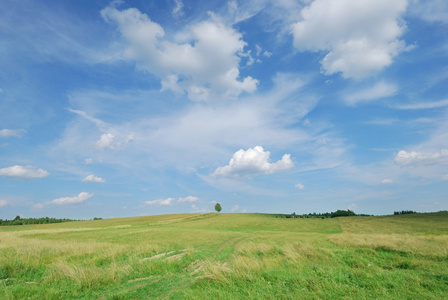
x: 228, y: 256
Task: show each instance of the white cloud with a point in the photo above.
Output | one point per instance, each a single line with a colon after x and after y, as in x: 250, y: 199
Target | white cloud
x: 259, y: 51
x: 235, y: 208
x: 445, y: 177
x: 267, y: 53
x: 204, y: 65
x: 198, y: 209
x: 11, y: 133
x: 196, y: 136
x: 106, y: 141
x: 352, y: 207
x: 177, y: 10
x: 379, y: 90
x: 38, y: 205
x: 252, y: 162
x: 188, y: 199
x: 430, y: 10
x: 299, y: 186
x: 168, y: 201
x: 3, y: 203
x: 361, y: 37
x: 424, y: 105
x: 83, y: 196
x: 130, y: 138
x: 387, y: 181
x: 24, y: 172
x: 405, y: 158
x: 93, y: 178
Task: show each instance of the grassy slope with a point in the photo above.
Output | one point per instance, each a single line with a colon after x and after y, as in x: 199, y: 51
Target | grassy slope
x: 228, y: 256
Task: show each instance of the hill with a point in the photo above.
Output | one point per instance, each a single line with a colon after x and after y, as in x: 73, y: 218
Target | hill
x: 228, y: 256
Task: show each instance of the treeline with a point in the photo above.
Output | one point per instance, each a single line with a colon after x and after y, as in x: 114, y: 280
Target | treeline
x: 336, y: 214
x: 405, y: 212
x: 28, y: 221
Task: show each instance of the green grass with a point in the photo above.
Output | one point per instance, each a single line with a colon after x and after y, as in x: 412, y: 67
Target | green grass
x: 228, y: 256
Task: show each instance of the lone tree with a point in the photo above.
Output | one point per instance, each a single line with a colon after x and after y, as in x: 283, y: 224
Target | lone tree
x: 218, y: 207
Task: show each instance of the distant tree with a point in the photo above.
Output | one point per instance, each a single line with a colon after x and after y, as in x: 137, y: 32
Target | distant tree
x: 27, y: 221
x: 342, y: 213
x: 218, y: 207
x: 404, y: 212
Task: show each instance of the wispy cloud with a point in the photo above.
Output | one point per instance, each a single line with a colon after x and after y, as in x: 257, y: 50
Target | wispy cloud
x: 188, y: 199
x: 167, y: 201
x: 430, y: 10
x: 378, y: 91
x: 82, y: 197
x: 423, y: 105
x: 191, y: 135
x: 6, y: 133
x: 235, y: 208
x: 177, y: 10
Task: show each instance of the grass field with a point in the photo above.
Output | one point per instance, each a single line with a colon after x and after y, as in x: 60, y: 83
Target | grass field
x: 228, y: 256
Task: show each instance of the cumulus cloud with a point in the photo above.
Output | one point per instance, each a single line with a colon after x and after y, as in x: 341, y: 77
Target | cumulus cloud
x: 299, y: 186
x: 24, y: 172
x: 6, y: 133
x: 93, y: 178
x: 204, y: 64
x: 360, y: 37
x: 379, y: 90
x: 253, y: 162
x: 3, y: 203
x: 106, y: 141
x: 405, y: 158
x: 82, y: 197
x: 188, y: 199
x: 168, y: 201
x: 387, y: 181
x: 445, y: 177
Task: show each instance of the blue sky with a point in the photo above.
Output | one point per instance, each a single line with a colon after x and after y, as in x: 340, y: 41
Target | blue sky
x: 128, y: 108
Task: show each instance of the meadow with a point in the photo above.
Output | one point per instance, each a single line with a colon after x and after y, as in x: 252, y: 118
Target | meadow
x: 228, y: 256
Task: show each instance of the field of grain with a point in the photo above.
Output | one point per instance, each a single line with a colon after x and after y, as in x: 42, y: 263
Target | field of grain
x: 228, y: 256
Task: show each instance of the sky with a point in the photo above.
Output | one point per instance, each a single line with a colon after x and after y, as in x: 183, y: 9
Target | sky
x: 133, y: 108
